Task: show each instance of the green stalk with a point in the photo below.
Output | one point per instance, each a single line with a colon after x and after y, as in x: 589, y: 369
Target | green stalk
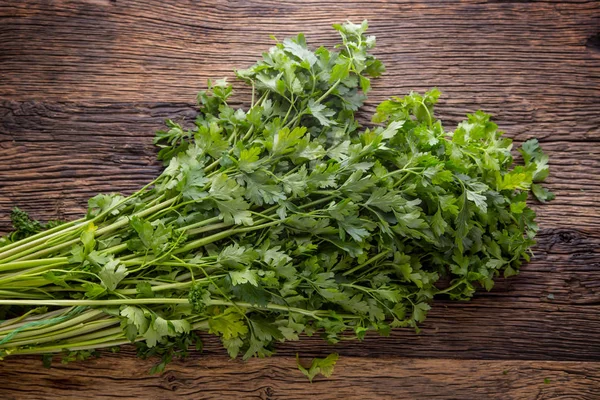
x: 181, y: 285
x: 38, y: 237
x: 211, y: 166
x: 208, y: 228
x: 10, y: 293
x: 198, y: 224
x: 53, y: 288
x: 269, y: 306
x: 369, y: 261
x: 29, y: 272
x: 450, y: 288
x: 125, y: 220
x: 26, y: 249
x: 42, y: 250
x: 112, y: 302
x: 64, y: 334
x: 318, y: 201
x: 25, y: 282
x: 96, y: 335
x: 221, y: 235
x: 115, y: 340
x: 14, y: 323
x: 103, y: 342
x: 85, y: 302
x: 86, y: 316
x: 115, y: 249
x: 32, y: 263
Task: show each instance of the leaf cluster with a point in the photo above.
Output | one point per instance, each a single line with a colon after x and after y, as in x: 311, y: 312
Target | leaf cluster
x: 289, y: 218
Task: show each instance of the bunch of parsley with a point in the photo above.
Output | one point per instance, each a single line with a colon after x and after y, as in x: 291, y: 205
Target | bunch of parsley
x: 283, y: 219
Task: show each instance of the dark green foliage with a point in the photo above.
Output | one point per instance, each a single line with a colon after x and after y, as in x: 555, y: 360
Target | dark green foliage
x: 24, y: 226
x: 289, y: 218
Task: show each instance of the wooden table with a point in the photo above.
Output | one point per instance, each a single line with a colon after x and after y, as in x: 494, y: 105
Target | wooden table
x: 84, y: 85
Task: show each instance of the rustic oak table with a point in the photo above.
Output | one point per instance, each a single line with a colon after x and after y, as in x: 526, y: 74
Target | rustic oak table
x: 84, y: 85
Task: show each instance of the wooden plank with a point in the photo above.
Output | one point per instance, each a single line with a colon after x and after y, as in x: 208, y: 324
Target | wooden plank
x: 216, y: 377
x: 86, y: 83
x: 44, y: 153
x: 148, y: 50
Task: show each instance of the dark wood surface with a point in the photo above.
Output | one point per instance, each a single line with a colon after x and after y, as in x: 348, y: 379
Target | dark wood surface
x: 84, y: 85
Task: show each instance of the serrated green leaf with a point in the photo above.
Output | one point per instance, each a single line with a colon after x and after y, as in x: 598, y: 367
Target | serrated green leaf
x: 245, y: 276
x: 112, y: 273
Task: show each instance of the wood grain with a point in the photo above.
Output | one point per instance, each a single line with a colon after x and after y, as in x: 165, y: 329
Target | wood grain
x: 140, y: 50
x: 86, y: 83
x: 216, y: 377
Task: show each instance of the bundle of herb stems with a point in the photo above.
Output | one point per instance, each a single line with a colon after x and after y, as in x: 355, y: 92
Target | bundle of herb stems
x: 284, y: 219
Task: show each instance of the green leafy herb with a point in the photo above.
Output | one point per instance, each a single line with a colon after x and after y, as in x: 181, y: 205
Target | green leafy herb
x: 24, y: 226
x: 281, y: 219
x: 323, y: 366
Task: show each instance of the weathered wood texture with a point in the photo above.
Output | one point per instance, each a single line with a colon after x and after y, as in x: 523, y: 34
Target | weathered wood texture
x: 84, y: 84
x: 219, y: 378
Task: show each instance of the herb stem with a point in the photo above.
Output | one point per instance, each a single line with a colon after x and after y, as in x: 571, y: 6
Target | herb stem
x: 369, y: 261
